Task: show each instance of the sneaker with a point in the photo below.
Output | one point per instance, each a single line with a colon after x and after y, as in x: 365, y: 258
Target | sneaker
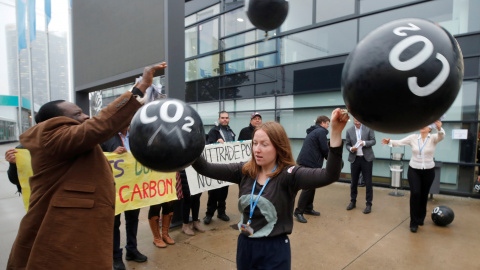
x: 135, y: 256
x: 223, y: 217
x: 118, y: 264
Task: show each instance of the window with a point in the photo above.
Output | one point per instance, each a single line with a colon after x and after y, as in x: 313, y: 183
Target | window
x: 234, y: 22
x: 208, y: 35
x: 456, y: 16
x: 244, y: 38
x: 319, y: 42
x: 191, y: 41
x: 299, y: 14
x: 373, y: 5
x: 331, y: 9
x: 250, y: 50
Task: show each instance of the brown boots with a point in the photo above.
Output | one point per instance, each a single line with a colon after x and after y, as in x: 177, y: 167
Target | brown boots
x: 155, y: 227
x: 160, y: 240
x: 166, y: 220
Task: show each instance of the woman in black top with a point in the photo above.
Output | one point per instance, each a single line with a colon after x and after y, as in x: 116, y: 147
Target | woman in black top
x: 268, y: 184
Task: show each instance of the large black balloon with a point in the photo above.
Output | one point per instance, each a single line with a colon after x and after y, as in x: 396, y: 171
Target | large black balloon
x: 476, y: 186
x: 166, y: 135
x: 442, y: 215
x: 402, y: 76
x: 267, y: 14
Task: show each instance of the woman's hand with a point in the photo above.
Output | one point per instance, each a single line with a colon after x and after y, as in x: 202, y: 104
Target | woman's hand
x: 385, y: 141
x: 438, y: 123
x: 338, y: 120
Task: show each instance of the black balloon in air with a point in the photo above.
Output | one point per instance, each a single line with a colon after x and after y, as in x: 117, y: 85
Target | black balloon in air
x: 402, y: 76
x: 442, y: 215
x: 267, y: 15
x: 169, y: 143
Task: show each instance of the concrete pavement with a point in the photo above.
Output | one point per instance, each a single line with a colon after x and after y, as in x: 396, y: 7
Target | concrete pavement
x: 338, y: 239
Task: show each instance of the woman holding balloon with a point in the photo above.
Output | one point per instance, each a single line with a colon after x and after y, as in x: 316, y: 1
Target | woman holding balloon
x: 421, y: 172
x: 268, y: 184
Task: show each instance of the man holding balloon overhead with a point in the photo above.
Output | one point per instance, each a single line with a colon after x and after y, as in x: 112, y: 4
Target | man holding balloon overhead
x: 69, y: 224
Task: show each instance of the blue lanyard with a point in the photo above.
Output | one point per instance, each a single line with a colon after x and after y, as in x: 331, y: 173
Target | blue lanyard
x: 253, y: 205
x: 423, y: 144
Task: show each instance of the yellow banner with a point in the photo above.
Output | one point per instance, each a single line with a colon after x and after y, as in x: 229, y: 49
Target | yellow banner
x: 136, y: 185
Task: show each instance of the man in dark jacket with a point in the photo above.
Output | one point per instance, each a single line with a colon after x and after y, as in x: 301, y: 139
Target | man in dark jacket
x: 217, y: 197
x: 314, y: 151
x: 246, y: 132
x: 119, y: 144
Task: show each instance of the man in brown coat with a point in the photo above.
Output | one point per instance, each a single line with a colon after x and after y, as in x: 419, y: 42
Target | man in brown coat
x: 69, y: 224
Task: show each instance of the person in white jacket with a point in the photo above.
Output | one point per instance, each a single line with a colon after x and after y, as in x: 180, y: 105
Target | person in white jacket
x: 421, y: 172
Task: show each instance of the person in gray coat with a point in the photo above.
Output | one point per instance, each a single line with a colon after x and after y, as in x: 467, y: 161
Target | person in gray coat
x: 359, y: 142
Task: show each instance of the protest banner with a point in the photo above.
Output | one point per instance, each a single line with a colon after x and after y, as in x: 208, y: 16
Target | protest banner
x: 228, y: 152
x: 136, y: 186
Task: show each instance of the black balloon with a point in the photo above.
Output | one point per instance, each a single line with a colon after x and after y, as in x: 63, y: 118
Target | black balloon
x: 166, y: 135
x: 442, y: 215
x: 402, y: 76
x: 267, y: 14
x: 477, y: 186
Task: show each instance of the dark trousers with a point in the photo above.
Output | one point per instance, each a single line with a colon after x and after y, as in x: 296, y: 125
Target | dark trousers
x: 420, y: 182
x: 305, y: 202
x: 190, y: 202
x: 166, y: 208
x: 264, y: 253
x: 361, y: 165
x: 217, y: 201
x: 131, y: 228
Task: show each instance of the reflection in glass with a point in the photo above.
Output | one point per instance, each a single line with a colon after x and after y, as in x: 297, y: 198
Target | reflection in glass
x: 191, y: 92
x: 265, y: 89
x: 251, y: 63
x: 190, y: 19
x: 238, y: 79
x: 299, y: 14
x: 463, y: 108
x: 235, y: 21
x: 265, y: 75
x: 208, y: 12
x: 191, y: 42
x: 202, y: 14
x: 457, y: 16
x: 244, y: 38
x: 208, y: 66
x: 372, y: 5
x: 311, y: 100
x: 208, y: 35
x: 238, y: 92
x: 250, y: 50
x: 319, y: 42
x: 208, y: 89
x: 331, y: 9
x: 203, y: 67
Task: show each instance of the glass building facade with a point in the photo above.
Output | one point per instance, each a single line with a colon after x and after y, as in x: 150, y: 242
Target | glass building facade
x: 293, y: 74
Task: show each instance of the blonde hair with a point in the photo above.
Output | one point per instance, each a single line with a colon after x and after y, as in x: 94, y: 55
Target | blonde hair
x: 279, y: 139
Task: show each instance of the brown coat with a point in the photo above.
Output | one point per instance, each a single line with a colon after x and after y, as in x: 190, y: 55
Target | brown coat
x: 69, y: 224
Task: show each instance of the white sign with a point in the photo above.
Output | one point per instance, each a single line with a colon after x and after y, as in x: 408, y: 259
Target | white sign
x: 459, y: 134
x: 229, y: 152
